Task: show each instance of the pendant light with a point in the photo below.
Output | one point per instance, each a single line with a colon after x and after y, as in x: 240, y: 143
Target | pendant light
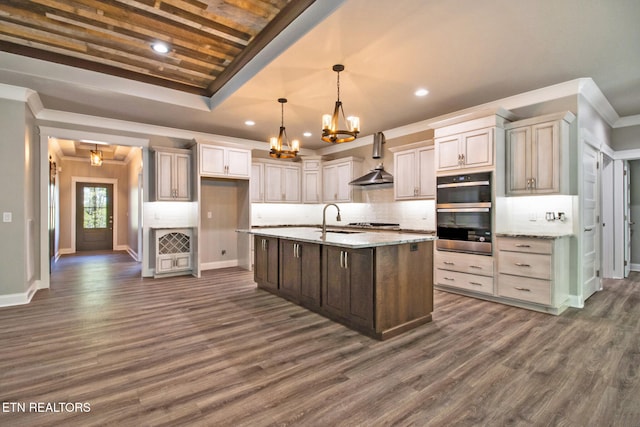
x: 277, y: 150
x: 331, y: 131
x: 96, y: 157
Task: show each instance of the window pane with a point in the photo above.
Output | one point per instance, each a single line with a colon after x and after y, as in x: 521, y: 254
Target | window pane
x: 95, y: 207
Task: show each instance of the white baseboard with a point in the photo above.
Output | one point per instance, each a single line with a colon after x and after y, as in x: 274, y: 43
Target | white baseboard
x: 132, y: 254
x: 218, y: 264
x: 635, y: 267
x: 575, y: 302
x: 66, y: 251
x: 19, y: 298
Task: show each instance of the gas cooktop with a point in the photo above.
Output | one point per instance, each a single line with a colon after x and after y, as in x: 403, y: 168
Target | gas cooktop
x: 374, y: 224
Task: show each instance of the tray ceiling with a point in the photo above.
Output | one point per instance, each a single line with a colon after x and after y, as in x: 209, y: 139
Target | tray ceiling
x: 209, y: 40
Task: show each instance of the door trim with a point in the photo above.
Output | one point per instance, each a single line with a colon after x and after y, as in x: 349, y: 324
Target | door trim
x: 74, y: 181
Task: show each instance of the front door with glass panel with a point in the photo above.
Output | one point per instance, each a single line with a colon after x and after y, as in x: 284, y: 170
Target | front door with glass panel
x: 94, y: 217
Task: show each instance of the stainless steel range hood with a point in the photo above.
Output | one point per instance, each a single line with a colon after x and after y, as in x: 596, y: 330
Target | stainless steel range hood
x: 377, y: 175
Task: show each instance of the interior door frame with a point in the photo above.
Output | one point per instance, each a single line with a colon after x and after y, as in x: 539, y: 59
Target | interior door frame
x: 74, y: 181
x: 587, y: 139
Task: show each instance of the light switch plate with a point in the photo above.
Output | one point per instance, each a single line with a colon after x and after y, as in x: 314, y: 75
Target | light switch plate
x: 7, y: 217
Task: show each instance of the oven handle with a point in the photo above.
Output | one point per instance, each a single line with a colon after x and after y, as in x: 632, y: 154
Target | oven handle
x: 463, y: 205
x: 464, y: 184
x: 463, y: 210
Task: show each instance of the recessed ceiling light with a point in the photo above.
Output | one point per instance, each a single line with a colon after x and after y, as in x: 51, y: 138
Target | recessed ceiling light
x: 160, y: 47
x: 421, y: 92
x: 249, y: 123
x: 307, y: 134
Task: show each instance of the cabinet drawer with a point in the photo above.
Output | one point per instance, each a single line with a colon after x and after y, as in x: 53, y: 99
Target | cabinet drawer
x: 534, y: 246
x: 470, y: 282
x: 524, y: 264
x: 466, y: 263
x: 524, y: 288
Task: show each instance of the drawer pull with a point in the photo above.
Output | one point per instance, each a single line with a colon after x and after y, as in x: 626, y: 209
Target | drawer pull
x: 522, y: 289
x: 519, y: 264
x: 475, y: 283
x: 449, y: 263
x: 523, y: 246
x: 475, y: 266
x: 449, y: 278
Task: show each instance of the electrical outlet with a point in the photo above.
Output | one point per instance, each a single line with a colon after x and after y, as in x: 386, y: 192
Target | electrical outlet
x: 7, y: 217
x: 209, y: 215
x: 224, y: 251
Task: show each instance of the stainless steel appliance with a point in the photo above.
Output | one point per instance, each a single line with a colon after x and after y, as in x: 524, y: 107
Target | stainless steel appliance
x: 464, y: 213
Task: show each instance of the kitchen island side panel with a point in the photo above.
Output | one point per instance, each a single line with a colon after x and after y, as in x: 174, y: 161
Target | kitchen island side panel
x: 404, y: 286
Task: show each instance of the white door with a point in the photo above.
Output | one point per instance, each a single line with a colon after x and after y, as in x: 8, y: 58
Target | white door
x: 589, y: 219
x: 628, y: 223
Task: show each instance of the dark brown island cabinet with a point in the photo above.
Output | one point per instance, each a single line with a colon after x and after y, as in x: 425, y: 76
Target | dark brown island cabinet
x: 380, y: 291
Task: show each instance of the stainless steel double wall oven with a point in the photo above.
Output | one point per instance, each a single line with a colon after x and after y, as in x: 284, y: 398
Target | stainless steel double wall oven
x: 464, y: 213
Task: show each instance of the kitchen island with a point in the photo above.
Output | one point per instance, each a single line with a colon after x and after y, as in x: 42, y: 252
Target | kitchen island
x: 379, y: 283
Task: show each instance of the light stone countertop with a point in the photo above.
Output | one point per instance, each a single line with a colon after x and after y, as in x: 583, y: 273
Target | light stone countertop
x: 533, y: 234
x: 341, y: 237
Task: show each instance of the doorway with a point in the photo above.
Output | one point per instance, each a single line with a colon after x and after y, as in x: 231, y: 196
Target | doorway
x: 94, y: 216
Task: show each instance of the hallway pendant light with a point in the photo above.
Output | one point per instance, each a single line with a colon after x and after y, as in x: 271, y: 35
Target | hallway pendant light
x: 96, y: 157
x: 276, y: 144
x: 331, y: 131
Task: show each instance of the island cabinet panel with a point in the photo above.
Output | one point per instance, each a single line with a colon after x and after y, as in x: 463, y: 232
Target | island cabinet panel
x: 403, y: 287
x: 265, y: 269
x: 300, y: 272
x: 347, y: 288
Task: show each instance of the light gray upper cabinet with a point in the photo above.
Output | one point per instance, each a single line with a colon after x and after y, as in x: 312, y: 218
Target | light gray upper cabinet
x: 173, y: 174
x: 225, y: 162
x: 336, y: 176
x: 414, y: 171
x: 282, y: 183
x: 538, y: 155
x: 312, y: 180
x: 256, y: 183
x: 471, y: 141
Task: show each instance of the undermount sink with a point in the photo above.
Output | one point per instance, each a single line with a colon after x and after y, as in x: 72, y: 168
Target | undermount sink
x: 342, y: 231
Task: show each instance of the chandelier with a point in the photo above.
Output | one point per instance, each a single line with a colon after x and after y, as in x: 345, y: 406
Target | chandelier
x: 96, y: 157
x: 276, y: 144
x: 330, y: 123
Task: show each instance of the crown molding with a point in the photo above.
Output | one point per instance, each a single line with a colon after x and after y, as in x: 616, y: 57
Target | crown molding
x: 627, y: 121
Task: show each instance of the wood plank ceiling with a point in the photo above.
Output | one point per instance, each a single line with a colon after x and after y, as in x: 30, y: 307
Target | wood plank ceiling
x: 209, y: 40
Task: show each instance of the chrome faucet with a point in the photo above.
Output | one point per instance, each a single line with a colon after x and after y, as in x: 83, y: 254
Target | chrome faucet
x: 324, y: 218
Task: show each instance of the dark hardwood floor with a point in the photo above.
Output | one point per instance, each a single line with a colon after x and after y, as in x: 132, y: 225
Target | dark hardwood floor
x: 217, y: 351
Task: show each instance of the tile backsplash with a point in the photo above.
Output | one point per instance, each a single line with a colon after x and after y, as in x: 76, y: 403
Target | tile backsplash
x: 529, y: 214
x: 414, y: 214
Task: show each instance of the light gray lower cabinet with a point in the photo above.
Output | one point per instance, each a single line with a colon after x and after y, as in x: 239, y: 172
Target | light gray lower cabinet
x: 535, y: 271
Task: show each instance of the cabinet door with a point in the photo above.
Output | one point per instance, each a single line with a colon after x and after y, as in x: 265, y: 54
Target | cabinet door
x: 335, y: 282
x: 164, y: 264
x: 212, y: 160
x: 266, y: 262
x: 545, y: 157
x: 343, y: 172
x: 448, y: 152
x: 256, y: 182
x: 426, y: 173
x: 310, y: 274
x: 347, y: 284
x: 291, y: 184
x: 290, y: 269
x: 238, y: 163
x: 164, y: 176
x: 518, y: 160
x: 405, y: 172
x: 182, y: 177
x: 477, y: 148
x: 329, y: 183
x: 273, y: 191
x: 359, y: 264
x: 311, y: 186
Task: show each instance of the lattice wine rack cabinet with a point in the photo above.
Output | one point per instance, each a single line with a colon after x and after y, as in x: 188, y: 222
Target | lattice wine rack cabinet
x: 173, y: 251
